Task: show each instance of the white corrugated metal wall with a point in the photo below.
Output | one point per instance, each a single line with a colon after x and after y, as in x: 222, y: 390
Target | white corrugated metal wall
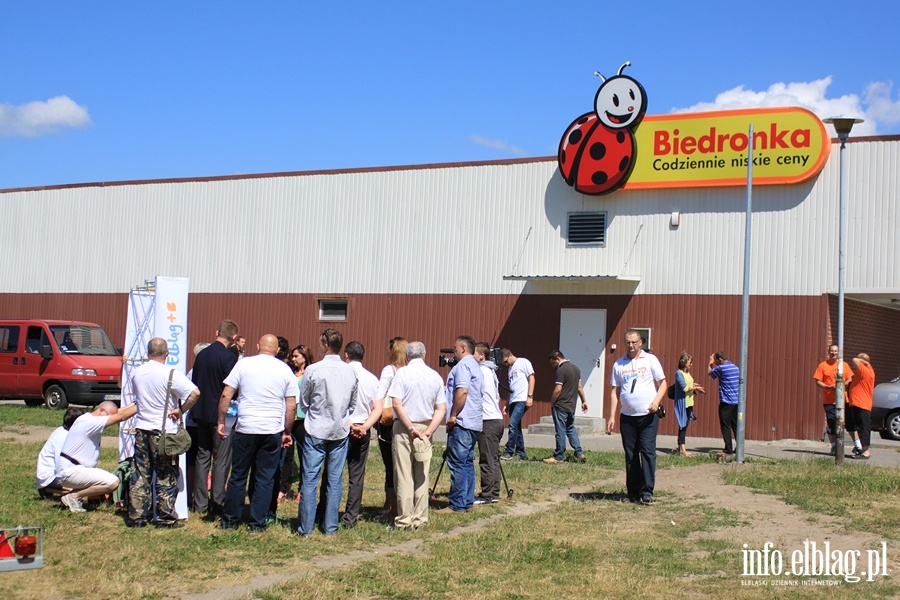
x: 452, y: 229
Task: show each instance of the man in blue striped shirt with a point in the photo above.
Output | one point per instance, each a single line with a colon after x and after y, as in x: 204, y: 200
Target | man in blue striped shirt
x: 728, y: 375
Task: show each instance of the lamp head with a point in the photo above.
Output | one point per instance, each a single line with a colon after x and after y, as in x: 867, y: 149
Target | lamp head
x: 842, y: 125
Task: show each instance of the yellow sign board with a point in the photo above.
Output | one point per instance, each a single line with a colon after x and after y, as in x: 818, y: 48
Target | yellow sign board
x: 711, y: 149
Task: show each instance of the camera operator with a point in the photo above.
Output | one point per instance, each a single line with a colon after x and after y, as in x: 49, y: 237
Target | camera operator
x: 464, y: 422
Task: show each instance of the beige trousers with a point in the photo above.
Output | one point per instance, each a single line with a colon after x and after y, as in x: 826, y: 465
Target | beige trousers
x: 410, y: 480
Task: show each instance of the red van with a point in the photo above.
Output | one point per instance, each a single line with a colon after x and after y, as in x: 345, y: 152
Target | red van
x: 58, y: 362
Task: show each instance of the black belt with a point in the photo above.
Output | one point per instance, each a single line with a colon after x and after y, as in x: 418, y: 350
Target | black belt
x: 70, y: 459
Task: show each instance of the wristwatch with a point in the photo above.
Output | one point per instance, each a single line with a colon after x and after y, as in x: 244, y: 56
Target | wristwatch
x: 531, y: 395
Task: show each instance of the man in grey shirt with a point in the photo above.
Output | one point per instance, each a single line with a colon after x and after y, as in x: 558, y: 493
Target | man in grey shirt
x: 328, y: 395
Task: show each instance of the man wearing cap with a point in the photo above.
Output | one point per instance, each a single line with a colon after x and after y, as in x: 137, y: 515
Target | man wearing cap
x: 417, y: 396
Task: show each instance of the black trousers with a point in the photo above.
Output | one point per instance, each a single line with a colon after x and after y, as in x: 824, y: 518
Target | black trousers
x: 728, y: 421
x: 357, y: 455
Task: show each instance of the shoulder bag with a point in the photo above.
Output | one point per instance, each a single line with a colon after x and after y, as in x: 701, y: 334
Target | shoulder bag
x: 173, y: 444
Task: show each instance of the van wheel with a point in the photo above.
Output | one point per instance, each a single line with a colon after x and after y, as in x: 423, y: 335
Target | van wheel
x: 55, y: 398
x: 33, y: 401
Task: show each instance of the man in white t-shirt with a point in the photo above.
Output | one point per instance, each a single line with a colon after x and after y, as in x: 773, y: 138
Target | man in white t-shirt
x: 492, y: 428
x: 638, y: 381
x: 365, y: 414
x: 46, y: 464
x: 417, y: 396
x: 150, y: 383
x: 520, y: 374
x: 76, y: 466
x: 267, y: 404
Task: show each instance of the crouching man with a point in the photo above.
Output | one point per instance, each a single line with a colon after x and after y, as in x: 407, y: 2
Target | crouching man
x: 76, y: 467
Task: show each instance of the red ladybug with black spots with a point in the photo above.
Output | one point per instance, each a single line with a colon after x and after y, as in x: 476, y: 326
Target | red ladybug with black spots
x: 597, y: 151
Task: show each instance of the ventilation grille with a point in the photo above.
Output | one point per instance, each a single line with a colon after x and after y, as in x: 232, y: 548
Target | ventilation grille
x: 587, y: 229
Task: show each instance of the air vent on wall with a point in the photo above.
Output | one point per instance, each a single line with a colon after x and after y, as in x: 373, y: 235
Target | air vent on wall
x: 587, y: 229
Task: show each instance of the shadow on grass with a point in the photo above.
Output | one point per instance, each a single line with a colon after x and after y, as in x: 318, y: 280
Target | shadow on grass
x: 595, y: 496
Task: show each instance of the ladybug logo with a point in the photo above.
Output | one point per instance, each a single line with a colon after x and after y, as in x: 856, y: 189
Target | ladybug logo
x: 597, y: 151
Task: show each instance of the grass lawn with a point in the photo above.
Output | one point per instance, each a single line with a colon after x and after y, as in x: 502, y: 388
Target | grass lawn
x: 588, y: 545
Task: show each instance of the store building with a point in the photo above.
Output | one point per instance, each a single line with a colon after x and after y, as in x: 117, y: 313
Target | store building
x: 504, y: 251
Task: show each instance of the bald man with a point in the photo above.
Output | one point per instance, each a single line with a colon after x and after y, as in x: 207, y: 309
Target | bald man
x: 267, y: 403
x: 76, y: 465
x: 154, y: 471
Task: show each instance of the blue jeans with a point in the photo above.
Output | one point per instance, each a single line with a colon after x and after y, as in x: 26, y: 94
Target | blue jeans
x: 515, y: 441
x: 461, y: 462
x: 333, y: 454
x: 564, y: 423
x: 639, y: 443
x: 262, y: 452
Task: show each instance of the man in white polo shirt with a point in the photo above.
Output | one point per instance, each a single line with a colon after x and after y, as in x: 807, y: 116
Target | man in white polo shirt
x: 417, y: 395
x: 267, y: 403
x: 76, y: 466
x: 638, y: 380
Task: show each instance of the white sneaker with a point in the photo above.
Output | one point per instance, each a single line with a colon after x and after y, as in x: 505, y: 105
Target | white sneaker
x: 73, y: 504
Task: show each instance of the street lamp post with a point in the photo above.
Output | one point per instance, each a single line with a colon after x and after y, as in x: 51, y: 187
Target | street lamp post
x: 842, y: 126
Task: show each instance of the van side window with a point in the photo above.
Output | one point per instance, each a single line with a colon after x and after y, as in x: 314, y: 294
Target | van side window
x: 9, y: 338
x: 33, y: 341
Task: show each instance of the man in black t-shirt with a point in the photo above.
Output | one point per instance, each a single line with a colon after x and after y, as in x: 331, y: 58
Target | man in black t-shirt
x: 564, y: 401
x: 211, y: 367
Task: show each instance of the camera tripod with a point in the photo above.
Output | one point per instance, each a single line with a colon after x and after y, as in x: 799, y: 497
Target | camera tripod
x: 509, y: 492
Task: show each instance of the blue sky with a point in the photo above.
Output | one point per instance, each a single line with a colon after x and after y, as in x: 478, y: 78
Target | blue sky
x: 122, y: 91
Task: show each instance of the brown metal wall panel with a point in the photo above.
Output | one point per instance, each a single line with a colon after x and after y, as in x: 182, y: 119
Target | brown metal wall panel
x: 786, y: 338
x: 872, y: 329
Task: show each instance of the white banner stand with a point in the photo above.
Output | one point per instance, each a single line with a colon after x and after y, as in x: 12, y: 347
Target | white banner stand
x: 158, y: 309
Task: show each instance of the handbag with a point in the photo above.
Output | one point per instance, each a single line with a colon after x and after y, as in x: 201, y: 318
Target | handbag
x: 173, y: 444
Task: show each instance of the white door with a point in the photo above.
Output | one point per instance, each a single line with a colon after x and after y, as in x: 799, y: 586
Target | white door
x: 582, y: 333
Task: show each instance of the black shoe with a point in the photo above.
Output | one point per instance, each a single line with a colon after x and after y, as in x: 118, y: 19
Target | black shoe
x: 225, y: 526
x: 646, y: 499
x: 135, y: 524
x: 857, y: 451
x: 833, y: 451
x: 170, y: 525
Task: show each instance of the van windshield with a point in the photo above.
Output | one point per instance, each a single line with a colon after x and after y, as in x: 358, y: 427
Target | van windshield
x: 81, y: 339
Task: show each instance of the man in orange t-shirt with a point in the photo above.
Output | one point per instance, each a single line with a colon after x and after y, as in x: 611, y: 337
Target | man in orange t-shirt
x: 859, y: 413
x: 826, y: 378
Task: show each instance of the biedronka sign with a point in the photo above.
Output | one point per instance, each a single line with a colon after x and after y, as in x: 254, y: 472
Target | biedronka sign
x: 605, y: 150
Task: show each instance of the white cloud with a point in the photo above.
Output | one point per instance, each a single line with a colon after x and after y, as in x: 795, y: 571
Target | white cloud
x: 876, y: 107
x: 37, y: 118
x: 497, y: 145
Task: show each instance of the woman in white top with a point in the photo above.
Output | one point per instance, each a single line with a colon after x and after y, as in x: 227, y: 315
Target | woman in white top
x: 300, y: 358
x: 397, y: 359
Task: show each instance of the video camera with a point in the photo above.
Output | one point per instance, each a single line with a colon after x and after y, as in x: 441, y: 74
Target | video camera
x: 450, y: 361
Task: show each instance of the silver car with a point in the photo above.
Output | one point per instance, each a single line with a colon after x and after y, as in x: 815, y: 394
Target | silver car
x: 886, y: 409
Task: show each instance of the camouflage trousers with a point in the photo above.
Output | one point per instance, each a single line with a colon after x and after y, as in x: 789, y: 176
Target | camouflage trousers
x: 147, y: 463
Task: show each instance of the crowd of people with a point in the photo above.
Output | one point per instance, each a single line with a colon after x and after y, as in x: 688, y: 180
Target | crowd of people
x: 326, y: 411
